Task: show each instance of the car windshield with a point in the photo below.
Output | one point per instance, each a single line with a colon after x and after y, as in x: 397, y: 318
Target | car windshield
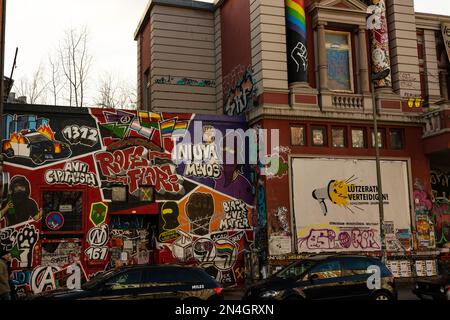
x: 98, y: 279
x: 295, y: 269
x: 37, y: 138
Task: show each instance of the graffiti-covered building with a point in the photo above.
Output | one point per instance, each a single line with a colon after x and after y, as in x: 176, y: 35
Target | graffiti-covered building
x: 304, y: 69
x: 100, y: 188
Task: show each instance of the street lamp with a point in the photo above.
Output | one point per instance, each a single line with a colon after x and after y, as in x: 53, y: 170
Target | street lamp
x: 375, y: 77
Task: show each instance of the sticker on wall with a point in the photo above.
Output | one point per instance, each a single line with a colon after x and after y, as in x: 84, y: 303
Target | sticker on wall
x: 99, y: 210
x: 54, y: 221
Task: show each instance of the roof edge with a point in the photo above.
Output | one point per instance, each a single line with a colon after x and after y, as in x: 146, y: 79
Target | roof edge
x: 189, y: 4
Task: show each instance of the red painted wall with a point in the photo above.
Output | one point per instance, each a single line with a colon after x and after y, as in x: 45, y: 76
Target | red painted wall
x: 236, y: 40
x: 277, y: 190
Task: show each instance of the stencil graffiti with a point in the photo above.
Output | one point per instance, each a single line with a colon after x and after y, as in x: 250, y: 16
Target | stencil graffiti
x: 74, y: 173
x: 132, y: 167
x: 329, y: 239
x: 236, y: 216
x: 240, y: 97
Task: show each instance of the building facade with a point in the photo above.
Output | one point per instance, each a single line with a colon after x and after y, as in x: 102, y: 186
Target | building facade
x: 305, y: 68
x: 93, y: 189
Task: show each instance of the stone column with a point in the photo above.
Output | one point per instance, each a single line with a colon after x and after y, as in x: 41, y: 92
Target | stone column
x: 443, y: 84
x: 323, y: 64
x: 296, y: 44
x: 363, y: 65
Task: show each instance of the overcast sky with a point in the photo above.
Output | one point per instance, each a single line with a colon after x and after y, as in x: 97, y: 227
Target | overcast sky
x: 36, y: 26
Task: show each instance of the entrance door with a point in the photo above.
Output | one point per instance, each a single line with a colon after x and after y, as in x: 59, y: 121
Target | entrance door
x: 132, y: 238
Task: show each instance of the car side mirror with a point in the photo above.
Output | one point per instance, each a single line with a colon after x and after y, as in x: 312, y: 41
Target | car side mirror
x: 313, y: 277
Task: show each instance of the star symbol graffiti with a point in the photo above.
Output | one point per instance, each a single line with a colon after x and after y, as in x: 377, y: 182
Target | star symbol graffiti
x: 16, y: 252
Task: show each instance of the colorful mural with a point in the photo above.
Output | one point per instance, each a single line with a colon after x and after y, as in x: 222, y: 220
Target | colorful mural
x: 103, y: 190
x: 379, y: 36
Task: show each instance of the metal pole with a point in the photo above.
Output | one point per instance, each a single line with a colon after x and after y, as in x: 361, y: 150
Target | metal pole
x: 377, y: 161
x: 2, y: 63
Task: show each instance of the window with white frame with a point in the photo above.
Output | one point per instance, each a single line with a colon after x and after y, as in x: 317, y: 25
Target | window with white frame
x: 339, y: 59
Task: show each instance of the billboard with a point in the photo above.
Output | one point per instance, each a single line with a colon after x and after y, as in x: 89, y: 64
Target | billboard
x: 335, y: 204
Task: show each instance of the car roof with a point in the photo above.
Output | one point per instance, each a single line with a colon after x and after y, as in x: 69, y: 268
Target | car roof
x: 320, y: 257
x: 154, y: 266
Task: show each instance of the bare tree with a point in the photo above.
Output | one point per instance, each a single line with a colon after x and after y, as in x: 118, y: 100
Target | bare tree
x: 75, y: 63
x: 56, y: 83
x: 114, y: 93
x: 33, y: 89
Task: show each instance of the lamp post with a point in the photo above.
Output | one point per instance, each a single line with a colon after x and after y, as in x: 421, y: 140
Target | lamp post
x: 379, y: 76
x: 2, y: 63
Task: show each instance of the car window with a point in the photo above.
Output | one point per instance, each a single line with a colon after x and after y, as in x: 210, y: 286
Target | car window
x: 326, y: 270
x: 355, y: 266
x: 295, y: 270
x: 128, y: 277
x: 160, y: 275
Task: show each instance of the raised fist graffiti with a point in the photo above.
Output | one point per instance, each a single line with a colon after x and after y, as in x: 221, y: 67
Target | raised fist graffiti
x: 200, y: 209
x: 300, y: 56
x: 26, y: 240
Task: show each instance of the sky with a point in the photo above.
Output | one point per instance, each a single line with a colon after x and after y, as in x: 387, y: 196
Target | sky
x: 36, y: 27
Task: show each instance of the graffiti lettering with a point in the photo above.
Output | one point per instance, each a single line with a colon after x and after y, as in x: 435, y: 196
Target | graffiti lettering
x: 327, y: 239
x: 131, y: 166
x: 195, y: 153
x: 236, y: 215
x: 185, y: 82
x: 241, y: 96
x: 74, y: 173
x: 81, y: 135
x: 203, y: 170
x: 42, y: 279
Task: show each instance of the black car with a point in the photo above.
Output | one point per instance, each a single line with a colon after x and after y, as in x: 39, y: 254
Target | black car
x: 437, y: 288
x: 326, y: 277
x: 144, y: 282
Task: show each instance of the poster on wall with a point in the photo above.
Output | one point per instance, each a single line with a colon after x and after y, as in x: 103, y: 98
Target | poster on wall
x: 297, y: 53
x: 336, y: 204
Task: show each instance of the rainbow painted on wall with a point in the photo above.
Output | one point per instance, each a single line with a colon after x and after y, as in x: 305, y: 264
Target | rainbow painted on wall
x: 295, y: 16
x: 224, y: 248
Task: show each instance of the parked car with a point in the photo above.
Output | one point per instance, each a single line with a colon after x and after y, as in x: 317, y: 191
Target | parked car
x: 36, y: 146
x: 144, y: 282
x: 437, y: 288
x: 327, y: 277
